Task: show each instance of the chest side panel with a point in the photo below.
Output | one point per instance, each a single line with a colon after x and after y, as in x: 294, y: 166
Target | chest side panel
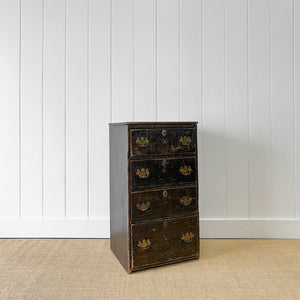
x: 119, y: 218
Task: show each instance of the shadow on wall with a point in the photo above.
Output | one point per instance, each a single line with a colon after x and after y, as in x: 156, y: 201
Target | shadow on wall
x: 234, y: 176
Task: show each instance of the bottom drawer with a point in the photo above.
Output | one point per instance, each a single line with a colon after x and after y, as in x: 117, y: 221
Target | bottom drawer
x: 162, y: 242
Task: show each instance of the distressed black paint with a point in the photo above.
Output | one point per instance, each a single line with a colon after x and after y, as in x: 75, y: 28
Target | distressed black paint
x: 154, y: 193
x: 163, y: 203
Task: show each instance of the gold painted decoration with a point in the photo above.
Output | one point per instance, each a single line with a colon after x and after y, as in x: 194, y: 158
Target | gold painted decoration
x: 164, y: 165
x: 187, y: 237
x: 143, y: 206
x: 144, y: 244
x: 185, y: 170
x: 142, y: 142
x: 186, y: 200
x: 185, y: 140
x: 142, y: 173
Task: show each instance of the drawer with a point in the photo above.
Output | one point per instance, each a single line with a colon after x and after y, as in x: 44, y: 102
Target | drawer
x: 162, y: 141
x: 160, y: 172
x: 164, y: 241
x: 163, y: 203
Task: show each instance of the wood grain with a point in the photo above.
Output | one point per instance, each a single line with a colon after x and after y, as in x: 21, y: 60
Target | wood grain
x: 119, y: 208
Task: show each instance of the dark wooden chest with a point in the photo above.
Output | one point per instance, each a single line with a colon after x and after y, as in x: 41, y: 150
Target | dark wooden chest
x: 154, y: 216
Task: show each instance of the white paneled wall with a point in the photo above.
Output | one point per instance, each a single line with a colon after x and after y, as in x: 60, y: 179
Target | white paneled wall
x: 69, y: 67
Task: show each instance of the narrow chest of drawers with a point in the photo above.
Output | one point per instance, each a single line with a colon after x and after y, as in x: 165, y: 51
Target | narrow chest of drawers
x: 154, y: 217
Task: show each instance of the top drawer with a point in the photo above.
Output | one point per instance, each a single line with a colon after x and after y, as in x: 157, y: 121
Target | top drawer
x: 162, y: 141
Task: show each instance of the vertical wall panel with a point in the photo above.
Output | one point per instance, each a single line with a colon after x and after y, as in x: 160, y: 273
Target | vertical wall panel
x: 259, y: 109
x: 76, y: 108
x: 214, y: 163
x: 190, y: 67
x: 168, y: 98
x: 122, y: 60
x: 297, y: 103
x: 31, y: 108
x: 236, y: 108
x: 282, y: 110
x: 54, y: 109
x: 68, y: 68
x: 9, y: 108
x: 99, y: 106
x: 190, y: 60
x: 145, y: 60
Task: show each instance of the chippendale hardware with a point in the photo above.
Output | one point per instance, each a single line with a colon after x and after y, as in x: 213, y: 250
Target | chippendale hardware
x: 188, y: 237
x: 142, y: 173
x: 185, y: 140
x: 186, y: 200
x: 144, y: 244
x: 164, y: 132
x: 143, y: 206
x: 164, y: 165
x: 186, y: 170
x: 165, y: 194
x: 142, y: 142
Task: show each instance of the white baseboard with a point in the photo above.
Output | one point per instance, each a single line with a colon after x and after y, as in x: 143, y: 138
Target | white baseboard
x: 99, y: 228
x: 54, y: 228
x: 287, y: 229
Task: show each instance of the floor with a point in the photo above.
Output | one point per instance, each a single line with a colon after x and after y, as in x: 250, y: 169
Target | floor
x: 86, y: 269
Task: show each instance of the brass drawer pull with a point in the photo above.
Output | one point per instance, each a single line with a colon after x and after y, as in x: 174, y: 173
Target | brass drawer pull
x: 186, y: 200
x: 186, y: 170
x: 185, y: 140
x: 165, y: 194
x: 144, y: 244
x: 143, y: 206
x: 142, y: 142
x: 142, y: 173
x: 188, y: 237
x: 164, y: 132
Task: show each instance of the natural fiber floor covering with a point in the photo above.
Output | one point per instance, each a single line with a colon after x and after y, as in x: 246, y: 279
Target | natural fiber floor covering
x: 86, y: 269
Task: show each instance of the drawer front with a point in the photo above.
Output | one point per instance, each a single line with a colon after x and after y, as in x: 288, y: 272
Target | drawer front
x: 160, y: 172
x: 163, y: 203
x: 163, y: 141
x: 164, y: 241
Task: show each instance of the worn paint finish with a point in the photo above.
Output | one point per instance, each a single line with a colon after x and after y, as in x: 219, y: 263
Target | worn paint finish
x: 163, y: 203
x: 163, y: 141
x: 166, y: 241
x: 162, y: 172
x: 161, y: 191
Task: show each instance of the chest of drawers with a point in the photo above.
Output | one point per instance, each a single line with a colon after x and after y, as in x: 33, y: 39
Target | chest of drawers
x: 154, y: 216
